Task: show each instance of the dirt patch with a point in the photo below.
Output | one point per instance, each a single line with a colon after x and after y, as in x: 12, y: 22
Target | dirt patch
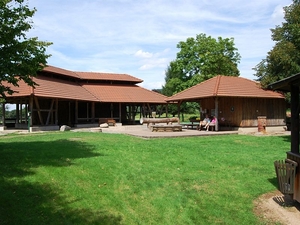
x: 275, y: 207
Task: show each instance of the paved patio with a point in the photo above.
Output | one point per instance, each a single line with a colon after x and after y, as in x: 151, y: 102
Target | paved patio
x: 143, y: 132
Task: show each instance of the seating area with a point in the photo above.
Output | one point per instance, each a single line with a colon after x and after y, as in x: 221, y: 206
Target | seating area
x: 211, y: 127
x: 208, y: 123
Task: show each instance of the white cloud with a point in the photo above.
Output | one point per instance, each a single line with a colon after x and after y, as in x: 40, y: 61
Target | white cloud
x: 278, y: 14
x: 142, y: 54
x: 140, y: 37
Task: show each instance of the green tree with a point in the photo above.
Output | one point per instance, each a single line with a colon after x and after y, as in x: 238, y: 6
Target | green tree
x: 21, y: 57
x: 284, y: 59
x: 199, y: 59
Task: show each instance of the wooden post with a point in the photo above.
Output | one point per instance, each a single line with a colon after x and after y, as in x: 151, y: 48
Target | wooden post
x: 167, y: 106
x: 21, y: 114
x: 217, y: 113
x: 294, y: 119
x: 178, y: 108
x: 56, y: 111
x: 76, y: 112
x: 31, y: 110
x: 69, y: 122
x: 120, y: 112
x: 93, y: 112
x: 38, y: 110
x: 17, y: 113
x: 50, y: 112
x: 87, y: 111
x: 3, y: 115
x: 111, y: 110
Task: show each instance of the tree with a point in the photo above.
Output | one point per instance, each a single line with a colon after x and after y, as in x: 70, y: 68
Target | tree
x: 21, y: 57
x: 199, y: 59
x: 284, y: 59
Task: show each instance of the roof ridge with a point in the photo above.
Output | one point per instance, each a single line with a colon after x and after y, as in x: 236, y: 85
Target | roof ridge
x: 216, y: 89
x: 89, y: 92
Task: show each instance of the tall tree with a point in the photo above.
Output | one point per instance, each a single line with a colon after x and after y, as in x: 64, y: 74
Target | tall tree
x: 284, y: 59
x: 21, y: 57
x: 199, y: 59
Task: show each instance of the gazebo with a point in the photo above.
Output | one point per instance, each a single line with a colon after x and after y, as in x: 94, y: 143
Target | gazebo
x: 236, y: 102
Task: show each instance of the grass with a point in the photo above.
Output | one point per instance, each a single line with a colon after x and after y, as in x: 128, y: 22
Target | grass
x: 98, y: 178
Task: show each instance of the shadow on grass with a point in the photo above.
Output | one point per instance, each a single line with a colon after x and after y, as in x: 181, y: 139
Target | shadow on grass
x: 286, y: 138
x: 24, y: 203
x: 29, y: 203
x: 16, y: 159
x: 273, y: 181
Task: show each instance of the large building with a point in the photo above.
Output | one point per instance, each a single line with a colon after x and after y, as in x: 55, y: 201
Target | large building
x: 64, y: 97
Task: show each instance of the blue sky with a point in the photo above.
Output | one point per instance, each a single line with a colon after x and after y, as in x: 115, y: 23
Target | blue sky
x: 139, y: 37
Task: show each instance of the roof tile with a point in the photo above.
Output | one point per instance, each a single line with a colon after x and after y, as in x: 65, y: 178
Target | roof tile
x: 108, y: 77
x: 124, y: 93
x: 60, y: 71
x: 227, y: 86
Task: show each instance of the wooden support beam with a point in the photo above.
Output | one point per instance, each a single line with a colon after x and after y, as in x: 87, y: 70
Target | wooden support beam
x: 38, y: 110
x: 93, y: 112
x: 3, y: 114
x: 50, y: 112
x: 87, y: 111
x: 31, y: 110
x: 76, y: 112
x: 17, y: 113
x: 217, y: 112
x: 56, y: 111
x: 294, y: 119
x: 120, y: 112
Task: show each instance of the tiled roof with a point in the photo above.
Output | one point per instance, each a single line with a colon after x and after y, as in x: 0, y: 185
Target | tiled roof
x: 60, y: 71
x: 56, y: 88
x: 124, y: 93
x: 226, y: 86
x: 21, y: 91
x: 108, y: 77
x: 53, y: 88
x: 93, y: 75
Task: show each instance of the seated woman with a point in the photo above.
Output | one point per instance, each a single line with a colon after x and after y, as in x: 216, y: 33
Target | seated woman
x: 205, y: 121
x: 213, y: 121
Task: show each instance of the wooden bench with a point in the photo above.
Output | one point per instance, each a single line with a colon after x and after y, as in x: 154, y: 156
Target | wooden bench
x: 211, y: 126
x: 165, y: 128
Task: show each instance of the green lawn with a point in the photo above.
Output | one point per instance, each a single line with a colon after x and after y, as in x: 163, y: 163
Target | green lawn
x: 98, y: 178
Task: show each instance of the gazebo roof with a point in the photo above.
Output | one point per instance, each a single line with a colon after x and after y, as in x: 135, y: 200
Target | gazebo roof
x: 225, y: 86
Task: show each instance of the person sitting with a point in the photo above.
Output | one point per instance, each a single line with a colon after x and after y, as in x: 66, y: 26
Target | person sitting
x: 213, y: 121
x: 205, y: 121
